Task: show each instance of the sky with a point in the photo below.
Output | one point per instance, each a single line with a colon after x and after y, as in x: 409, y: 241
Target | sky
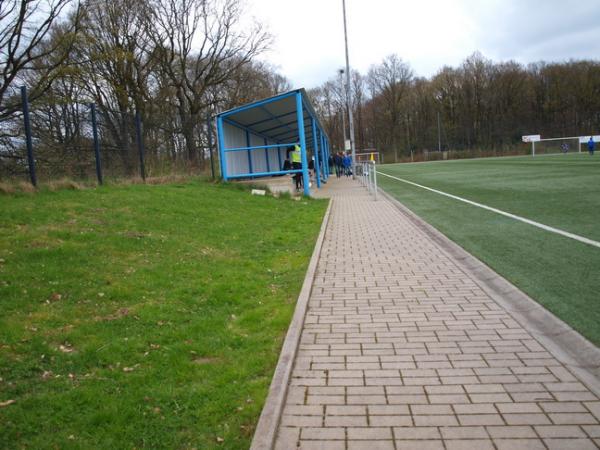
x: 308, y: 44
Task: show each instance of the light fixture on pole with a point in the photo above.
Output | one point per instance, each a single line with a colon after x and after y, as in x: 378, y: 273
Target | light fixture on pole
x: 348, y: 98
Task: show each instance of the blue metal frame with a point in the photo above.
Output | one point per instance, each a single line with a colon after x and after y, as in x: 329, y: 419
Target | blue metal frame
x: 249, y: 151
x: 258, y: 147
x: 221, y: 142
x: 316, y: 152
x: 306, y: 130
x: 267, y: 157
x: 253, y: 124
x: 279, y: 172
x: 258, y: 103
x: 300, y: 115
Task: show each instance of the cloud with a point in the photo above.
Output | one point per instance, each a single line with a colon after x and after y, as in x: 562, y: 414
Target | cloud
x: 428, y: 34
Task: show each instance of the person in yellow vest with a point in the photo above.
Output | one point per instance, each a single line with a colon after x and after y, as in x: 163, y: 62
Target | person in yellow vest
x: 296, y: 158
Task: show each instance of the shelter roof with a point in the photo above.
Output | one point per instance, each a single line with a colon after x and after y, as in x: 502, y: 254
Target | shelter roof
x: 275, y: 117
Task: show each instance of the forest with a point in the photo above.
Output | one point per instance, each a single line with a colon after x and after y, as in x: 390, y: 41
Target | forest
x: 177, y: 63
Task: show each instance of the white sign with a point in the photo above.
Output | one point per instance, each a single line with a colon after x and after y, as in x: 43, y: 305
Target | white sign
x: 347, y: 145
x: 532, y: 138
x: 585, y: 139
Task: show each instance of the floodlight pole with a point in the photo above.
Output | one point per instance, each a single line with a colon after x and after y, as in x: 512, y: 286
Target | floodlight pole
x: 348, y: 98
x: 439, y: 134
x: 344, y: 108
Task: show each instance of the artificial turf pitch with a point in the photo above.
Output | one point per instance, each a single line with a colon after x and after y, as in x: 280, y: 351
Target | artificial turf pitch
x: 562, y: 191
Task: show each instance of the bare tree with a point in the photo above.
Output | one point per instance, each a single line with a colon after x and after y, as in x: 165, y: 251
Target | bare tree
x: 24, y: 28
x: 391, y: 80
x: 201, y: 47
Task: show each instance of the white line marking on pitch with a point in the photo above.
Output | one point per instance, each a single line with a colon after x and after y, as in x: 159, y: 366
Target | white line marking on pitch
x: 503, y: 213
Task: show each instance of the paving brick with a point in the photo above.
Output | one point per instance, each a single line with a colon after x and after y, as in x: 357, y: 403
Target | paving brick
x: 475, y: 432
x: 322, y: 445
x: 513, y: 431
x: 421, y: 433
x: 431, y: 409
x: 345, y: 421
x: 318, y: 433
x: 370, y: 445
x: 519, y: 444
x: 345, y: 410
x: 559, y: 431
x: 573, y: 418
x: 592, y: 431
x: 435, y: 421
x: 388, y: 410
x: 369, y: 434
x: 469, y: 444
x: 518, y: 408
x: 561, y: 444
x: 287, y: 438
x: 390, y: 421
x: 526, y: 419
x: 480, y: 419
x: 421, y: 445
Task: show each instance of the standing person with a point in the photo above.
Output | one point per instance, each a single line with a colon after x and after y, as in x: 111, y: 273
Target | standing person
x: 338, y: 164
x: 296, y: 158
x: 591, y: 145
x: 330, y: 163
x: 347, y: 165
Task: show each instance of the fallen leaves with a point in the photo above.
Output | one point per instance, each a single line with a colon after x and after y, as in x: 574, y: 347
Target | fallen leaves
x: 66, y: 348
x: 7, y: 403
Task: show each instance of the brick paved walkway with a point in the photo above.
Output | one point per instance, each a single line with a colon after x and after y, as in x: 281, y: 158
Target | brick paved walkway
x: 401, y: 349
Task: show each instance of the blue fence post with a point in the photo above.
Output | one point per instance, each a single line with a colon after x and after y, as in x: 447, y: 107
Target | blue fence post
x: 27, y: 123
x: 326, y: 150
x: 249, y: 152
x: 267, y: 156
x: 221, y: 148
x: 96, y: 143
x: 140, y: 143
x: 316, y: 150
x: 209, y: 131
x: 326, y: 141
x: 324, y: 155
x: 300, y: 116
x: 279, y: 157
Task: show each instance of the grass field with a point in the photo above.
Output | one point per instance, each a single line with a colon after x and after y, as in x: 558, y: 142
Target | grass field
x: 145, y: 316
x: 562, y: 191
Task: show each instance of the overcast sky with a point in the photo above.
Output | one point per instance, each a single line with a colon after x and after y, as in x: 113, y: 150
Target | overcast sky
x: 428, y: 34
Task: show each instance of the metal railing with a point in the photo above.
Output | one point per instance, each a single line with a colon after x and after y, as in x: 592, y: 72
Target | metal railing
x: 367, y: 176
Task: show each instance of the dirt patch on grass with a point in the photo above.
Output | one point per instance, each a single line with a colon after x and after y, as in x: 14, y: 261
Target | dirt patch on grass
x: 205, y: 360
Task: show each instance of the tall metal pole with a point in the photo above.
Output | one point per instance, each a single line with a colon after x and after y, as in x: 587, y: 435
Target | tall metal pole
x: 140, y: 142
x: 210, y: 145
x: 96, y: 143
x: 348, y: 98
x: 344, y: 108
x: 439, y: 134
x: 27, y: 123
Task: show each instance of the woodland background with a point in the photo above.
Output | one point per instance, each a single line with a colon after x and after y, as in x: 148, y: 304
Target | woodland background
x: 179, y: 62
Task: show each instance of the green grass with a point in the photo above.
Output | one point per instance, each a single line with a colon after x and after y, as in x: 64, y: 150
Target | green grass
x: 562, y: 191
x: 145, y: 316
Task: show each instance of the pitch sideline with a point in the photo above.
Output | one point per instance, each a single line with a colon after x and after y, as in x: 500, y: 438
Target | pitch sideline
x: 503, y: 213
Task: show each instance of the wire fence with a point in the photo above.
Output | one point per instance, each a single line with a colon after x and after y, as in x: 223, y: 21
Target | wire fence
x: 49, y: 141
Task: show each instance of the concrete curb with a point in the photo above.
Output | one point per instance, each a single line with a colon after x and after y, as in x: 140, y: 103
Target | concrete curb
x: 569, y: 347
x: 268, y: 423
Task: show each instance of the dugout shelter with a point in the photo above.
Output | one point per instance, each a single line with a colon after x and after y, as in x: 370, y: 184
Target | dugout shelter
x: 253, y: 139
